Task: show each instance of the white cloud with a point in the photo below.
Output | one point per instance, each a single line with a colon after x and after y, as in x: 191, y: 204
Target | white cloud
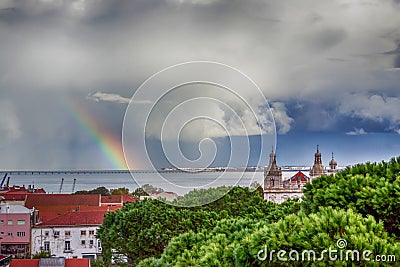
x: 282, y: 120
x: 373, y: 107
x: 356, y: 131
x: 99, y: 96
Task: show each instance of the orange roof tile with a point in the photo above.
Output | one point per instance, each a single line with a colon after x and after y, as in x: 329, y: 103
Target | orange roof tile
x: 129, y: 199
x: 298, y: 177
x: 75, y: 218
x: 24, y: 263
x: 13, y: 196
x: 77, y: 263
x: 35, y: 263
x: 49, y: 212
x: 34, y: 200
x: 111, y: 199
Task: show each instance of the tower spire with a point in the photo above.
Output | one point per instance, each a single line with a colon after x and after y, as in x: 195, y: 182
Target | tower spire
x: 318, y: 169
x: 333, y: 165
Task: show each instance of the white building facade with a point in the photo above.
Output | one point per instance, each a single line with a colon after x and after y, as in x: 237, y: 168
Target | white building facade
x: 276, y: 190
x: 70, y: 235
x: 67, y: 241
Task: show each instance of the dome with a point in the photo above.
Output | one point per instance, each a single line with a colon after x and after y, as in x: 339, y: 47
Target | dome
x: 332, y: 162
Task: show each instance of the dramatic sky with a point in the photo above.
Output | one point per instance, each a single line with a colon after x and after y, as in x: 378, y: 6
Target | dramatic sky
x: 329, y: 69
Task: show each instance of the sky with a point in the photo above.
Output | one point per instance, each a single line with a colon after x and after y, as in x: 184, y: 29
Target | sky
x: 328, y: 73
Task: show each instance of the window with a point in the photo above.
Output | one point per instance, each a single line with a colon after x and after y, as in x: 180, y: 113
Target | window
x: 91, y: 242
x: 46, y: 246
x: 91, y: 232
x: 1, y: 233
x: 20, y: 234
x: 9, y: 234
x: 83, y: 232
x: 2, y: 221
x: 56, y: 233
x: 99, y: 243
x: 9, y: 222
x: 83, y: 242
x: 20, y: 246
x: 21, y: 222
x: 46, y: 233
x: 67, y: 233
x: 67, y: 245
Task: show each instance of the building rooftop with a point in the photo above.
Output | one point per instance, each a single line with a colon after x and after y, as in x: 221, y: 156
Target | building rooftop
x: 23, y: 189
x: 13, y: 196
x: 50, y: 262
x: 50, y: 212
x: 34, y: 200
x: 117, y: 199
x: 13, y: 209
x: 298, y: 177
x: 75, y: 218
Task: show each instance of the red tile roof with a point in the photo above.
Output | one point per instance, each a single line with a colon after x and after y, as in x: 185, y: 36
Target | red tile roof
x: 111, y: 199
x: 75, y: 218
x: 13, y: 196
x: 23, y: 189
x: 117, y: 199
x: 298, y: 177
x: 34, y: 200
x: 35, y: 263
x: 77, y: 263
x: 25, y: 263
x: 129, y: 199
x: 49, y: 212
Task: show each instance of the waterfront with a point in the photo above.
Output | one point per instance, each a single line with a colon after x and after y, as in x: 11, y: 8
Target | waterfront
x: 175, y: 181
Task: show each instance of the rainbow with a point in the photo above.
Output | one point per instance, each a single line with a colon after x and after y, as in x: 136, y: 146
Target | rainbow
x: 109, y: 146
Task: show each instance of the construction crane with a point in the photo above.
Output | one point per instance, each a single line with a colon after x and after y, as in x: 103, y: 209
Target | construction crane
x: 73, y: 185
x: 61, y: 185
x: 4, y: 179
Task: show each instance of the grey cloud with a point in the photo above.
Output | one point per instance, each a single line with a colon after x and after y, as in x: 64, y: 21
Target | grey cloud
x: 52, y: 50
x: 10, y: 128
x: 394, y: 51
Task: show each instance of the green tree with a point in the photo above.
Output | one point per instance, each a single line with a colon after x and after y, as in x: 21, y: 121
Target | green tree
x: 139, y: 192
x: 99, y: 190
x: 143, y: 229
x: 42, y: 254
x: 370, y: 189
x: 120, y: 191
x: 238, y: 242
x: 151, y: 189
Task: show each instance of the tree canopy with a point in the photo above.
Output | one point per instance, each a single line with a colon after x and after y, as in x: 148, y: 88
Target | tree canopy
x: 249, y: 242
x: 370, y: 189
x: 359, y: 206
x: 143, y: 229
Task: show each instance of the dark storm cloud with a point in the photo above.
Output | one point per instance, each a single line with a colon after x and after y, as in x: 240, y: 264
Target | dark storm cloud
x: 52, y: 50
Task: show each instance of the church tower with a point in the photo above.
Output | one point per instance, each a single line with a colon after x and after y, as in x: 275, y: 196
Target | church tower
x: 318, y: 169
x: 333, y: 165
x: 273, y: 173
